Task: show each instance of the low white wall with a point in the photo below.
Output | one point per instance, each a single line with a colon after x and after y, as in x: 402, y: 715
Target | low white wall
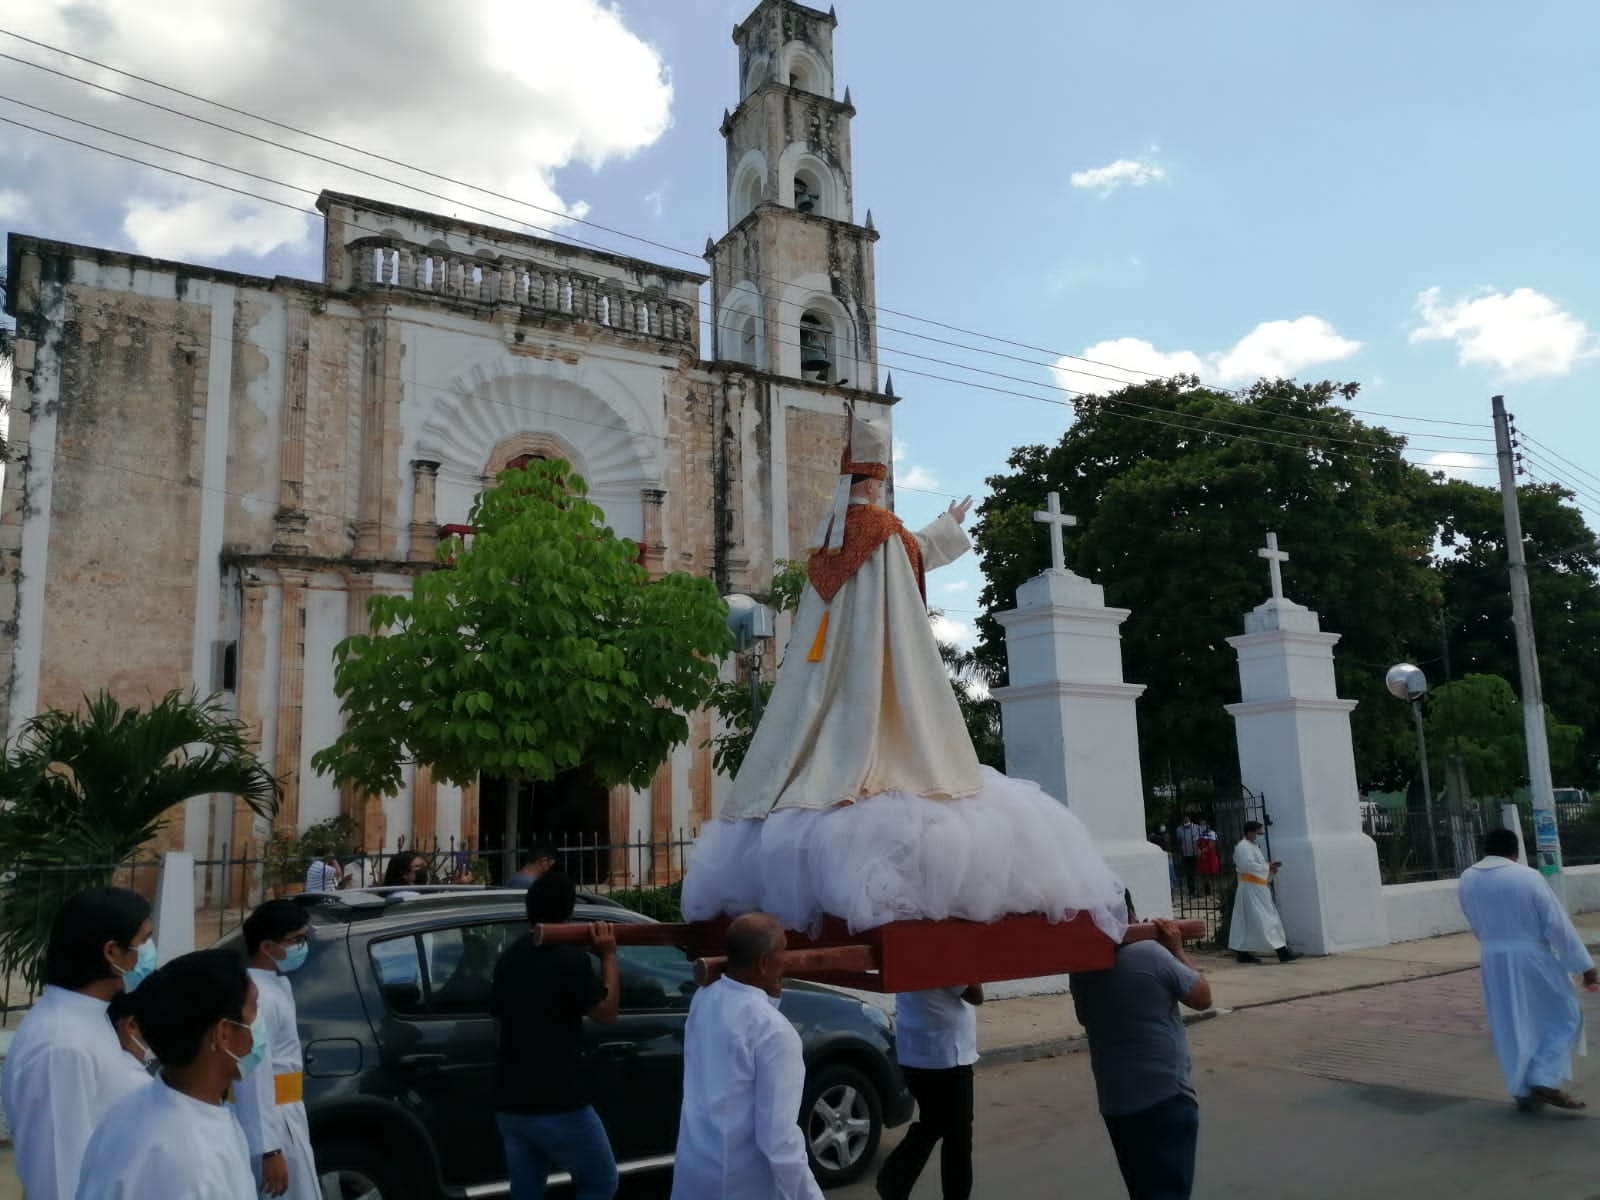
x: 1425, y: 910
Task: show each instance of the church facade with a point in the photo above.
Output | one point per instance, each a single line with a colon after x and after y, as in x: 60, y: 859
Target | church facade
x: 212, y: 473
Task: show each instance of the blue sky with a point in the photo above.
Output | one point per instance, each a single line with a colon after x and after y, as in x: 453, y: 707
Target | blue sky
x: 1399, y: 194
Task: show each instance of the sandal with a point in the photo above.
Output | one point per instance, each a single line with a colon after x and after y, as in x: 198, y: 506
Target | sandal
x: 1556, y: 1098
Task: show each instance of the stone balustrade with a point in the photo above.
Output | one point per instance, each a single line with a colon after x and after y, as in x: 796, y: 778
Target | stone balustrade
x: 609, y: 303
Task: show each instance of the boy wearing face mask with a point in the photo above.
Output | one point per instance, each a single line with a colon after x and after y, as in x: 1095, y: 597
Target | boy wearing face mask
x: 270, y: 1108
x: 66, y: 1068
x: 123, y: 1013
x: 175, y: 1138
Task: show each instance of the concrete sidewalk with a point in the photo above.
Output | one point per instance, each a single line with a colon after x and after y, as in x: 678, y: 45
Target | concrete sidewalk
x: 1016, y: 1028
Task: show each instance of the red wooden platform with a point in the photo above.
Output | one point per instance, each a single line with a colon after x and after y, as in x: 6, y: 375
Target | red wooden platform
x: 905, y: 956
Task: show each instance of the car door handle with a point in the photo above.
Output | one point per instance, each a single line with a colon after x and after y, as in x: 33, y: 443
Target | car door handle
x: 423, y: 1066
x: 612, y: 1051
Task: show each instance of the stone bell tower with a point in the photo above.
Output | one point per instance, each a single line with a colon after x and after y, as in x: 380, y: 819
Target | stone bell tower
x: 792, y: 279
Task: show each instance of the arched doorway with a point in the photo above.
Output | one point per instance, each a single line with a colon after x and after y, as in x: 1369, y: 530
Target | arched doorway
x: 572, y: 812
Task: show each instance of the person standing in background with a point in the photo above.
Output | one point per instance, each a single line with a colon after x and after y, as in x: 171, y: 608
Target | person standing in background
x: 936, y: 1045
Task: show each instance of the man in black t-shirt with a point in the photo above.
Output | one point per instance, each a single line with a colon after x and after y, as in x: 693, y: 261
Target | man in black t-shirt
x: 541, y: 996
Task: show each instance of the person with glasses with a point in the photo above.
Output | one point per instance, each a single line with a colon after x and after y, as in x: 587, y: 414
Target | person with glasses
x: 277, y: 940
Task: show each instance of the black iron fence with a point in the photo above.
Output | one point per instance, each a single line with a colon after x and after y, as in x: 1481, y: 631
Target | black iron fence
x: 1412, y: 849
x: 641, y: 872
x: 1203, y: 881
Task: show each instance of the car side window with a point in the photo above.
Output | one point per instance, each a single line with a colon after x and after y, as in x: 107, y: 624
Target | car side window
x: 443, y: 972
x: 399, y: 971
x: 460, y: 966
x: 654, y: 978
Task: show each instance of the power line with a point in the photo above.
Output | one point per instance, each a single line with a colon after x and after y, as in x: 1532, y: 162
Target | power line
x: 1054, y: 354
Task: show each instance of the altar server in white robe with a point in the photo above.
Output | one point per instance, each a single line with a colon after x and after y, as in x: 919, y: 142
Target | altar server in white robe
x: 1530, y: 953
x: 270, y: 1104
x: 743, y: 1076
x: 176, y: 1138
x: 861, y: 796
x: 65, y: 1066
x: 1256, y: 928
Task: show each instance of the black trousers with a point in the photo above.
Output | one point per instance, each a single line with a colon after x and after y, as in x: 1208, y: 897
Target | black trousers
x: 1156, y: 1148
x: 944, y: 1119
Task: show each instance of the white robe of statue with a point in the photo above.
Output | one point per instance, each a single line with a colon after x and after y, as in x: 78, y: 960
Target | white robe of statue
x: 861, y: 796
x: 1256, y: 927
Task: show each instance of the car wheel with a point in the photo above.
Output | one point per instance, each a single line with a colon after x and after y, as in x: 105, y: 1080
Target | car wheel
x: 353, y: 1171
x: 842, y: 1118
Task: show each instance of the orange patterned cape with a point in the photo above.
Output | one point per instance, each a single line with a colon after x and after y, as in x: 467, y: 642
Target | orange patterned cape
x: 866, y: 527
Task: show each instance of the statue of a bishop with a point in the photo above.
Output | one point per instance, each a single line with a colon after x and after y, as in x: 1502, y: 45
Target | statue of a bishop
x: 861, y: 796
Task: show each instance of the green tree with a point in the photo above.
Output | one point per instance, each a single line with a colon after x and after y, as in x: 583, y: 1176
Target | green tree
x: 83, y: 791
x: 1174, y: 485
x: 1474, y: 632
x: 1479, y: 718
x: 545, y: 647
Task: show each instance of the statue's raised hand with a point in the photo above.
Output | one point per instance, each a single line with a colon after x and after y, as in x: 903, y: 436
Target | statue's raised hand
x: 958, y: 509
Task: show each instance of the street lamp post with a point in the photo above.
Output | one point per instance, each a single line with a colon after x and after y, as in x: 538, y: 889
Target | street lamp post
x: 1407, y: 682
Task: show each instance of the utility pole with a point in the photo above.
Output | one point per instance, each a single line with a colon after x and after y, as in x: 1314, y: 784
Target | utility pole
x: 1546, y: 833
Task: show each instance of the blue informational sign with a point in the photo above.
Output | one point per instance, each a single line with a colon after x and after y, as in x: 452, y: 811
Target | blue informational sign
x: 1547, y: 842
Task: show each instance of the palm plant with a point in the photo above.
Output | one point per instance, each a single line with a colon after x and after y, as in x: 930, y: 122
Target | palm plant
x: 83, y: 791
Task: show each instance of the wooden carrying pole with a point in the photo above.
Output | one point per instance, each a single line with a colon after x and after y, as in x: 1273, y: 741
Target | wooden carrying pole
x: 827, y: 961
x: 651, y: 934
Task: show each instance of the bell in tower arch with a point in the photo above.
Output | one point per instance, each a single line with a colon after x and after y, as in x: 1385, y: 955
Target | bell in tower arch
x: 814, y: 347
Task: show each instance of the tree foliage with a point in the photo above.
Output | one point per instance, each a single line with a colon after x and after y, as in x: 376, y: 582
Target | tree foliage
x: 544, y: 647
x: 1474, y: 633
x: 1479, y: 718
x: 83, y: 791
x: 1175, y: 486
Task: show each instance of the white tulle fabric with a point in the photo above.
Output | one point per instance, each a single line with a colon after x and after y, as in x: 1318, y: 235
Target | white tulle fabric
x: 893, y: 857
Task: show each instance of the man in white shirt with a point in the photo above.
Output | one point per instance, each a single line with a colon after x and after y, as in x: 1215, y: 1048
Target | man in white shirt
x: 936, y: 1044
x: 1256, y: 928
x: 66, y: 1067
x: 1530, y: 953
x: 743, y: 1075
x: 175, y: 1138
x: 270, y: 1103
x: 323, y: 874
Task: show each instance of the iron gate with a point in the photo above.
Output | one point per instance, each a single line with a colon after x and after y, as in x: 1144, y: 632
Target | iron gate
x: 1199, y: 893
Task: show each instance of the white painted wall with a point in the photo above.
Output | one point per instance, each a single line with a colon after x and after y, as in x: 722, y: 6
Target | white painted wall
x: 1429, y: 909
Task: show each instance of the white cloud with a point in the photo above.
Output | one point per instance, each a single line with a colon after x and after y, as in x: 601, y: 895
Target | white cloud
x: 1456, y: 464
x: 1273, y: 349
x: 12, y: 204
x: 947, y: 629
x: 958, y: 585
x: 1109, y: 178
x: 914, y: 477
x: 1281, y: 349
x: 1522, y: 334
x: 504, y: 97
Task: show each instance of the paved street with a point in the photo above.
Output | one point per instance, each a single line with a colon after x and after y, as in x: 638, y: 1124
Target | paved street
x: 1389, y: 1091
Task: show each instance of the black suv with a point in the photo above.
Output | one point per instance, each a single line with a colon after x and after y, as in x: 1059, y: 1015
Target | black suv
x: 400, y: 1048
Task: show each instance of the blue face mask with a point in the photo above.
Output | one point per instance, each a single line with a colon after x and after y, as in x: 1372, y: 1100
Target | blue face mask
x: 294, y: 957
x: 142, y: 968
x: 258, y: 1046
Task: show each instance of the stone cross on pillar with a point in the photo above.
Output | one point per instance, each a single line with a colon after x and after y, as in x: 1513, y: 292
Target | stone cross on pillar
x: 1059, y: 522
x: 1275, y: 560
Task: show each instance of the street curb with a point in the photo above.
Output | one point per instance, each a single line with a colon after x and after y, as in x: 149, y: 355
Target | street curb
x: 1025, y: 1052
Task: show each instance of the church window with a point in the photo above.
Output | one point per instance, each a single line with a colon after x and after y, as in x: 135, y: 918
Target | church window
x: 809, y: 194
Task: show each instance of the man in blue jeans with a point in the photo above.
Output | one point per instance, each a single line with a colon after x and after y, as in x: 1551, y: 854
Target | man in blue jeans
x: 541, y: 996
x: 1139, y: 1052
